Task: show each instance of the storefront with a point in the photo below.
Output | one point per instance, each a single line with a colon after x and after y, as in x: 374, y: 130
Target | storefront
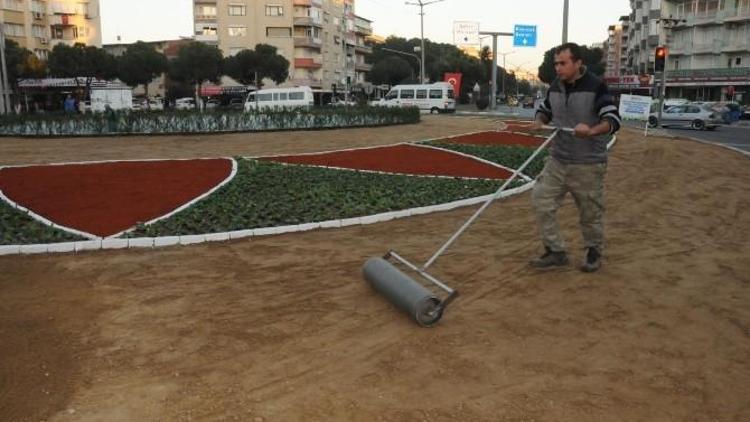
x: 728, y: 84
x: 630, y: 84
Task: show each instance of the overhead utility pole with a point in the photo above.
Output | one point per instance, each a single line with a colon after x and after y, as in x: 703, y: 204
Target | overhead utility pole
x: 565, y: 22
x: 494, y: 62
x: 421, y: 5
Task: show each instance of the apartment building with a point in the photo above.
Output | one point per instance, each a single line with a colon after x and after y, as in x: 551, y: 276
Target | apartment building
x: 709, y: 49
x: 322, y: 39
x: 708, y: 46
x: 39, y: 25
x: 617, y: 49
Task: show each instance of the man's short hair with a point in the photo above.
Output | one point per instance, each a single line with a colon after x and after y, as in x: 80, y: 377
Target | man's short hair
x: 575, y: 50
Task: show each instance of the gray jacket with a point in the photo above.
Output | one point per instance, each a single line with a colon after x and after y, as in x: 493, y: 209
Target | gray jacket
x: 587, y: 101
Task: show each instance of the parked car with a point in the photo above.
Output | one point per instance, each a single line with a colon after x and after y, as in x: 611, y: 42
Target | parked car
x: 212, y: 104
x: 236, y: 104
x: 698, y: 117
x: 186, y: 103
x: 528, y: 102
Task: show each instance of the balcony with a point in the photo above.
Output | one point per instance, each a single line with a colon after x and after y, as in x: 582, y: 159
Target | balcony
x: 362, y: 67
x: 308, y: 42
x: 311, y: 82
x: 707, y: 48
x: 351, y: 40
x: 364, y: 49
x: 207, y: 38
x: 308, y: 62
x: 204, y: 18
x: 737, y: 16
x: 735, y: 46
x: 363, y: 30
x: 307, y: 21
x: 61, y: 20
x: 308, y: 3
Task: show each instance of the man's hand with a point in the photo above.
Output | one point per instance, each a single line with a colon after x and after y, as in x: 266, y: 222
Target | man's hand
x: 582, y: 130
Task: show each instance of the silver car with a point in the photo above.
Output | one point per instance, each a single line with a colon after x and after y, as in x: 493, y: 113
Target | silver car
x: 695, y: 116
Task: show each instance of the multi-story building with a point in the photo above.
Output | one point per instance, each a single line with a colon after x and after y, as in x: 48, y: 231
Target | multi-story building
x: 39, y: 25
x: 322, y: 39
x: 708, y: 44
x: 616, y: 49
x: 708, y: 49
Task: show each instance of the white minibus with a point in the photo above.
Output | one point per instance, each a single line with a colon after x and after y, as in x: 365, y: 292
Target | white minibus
x: 301, y: 96
x: 435, y: 98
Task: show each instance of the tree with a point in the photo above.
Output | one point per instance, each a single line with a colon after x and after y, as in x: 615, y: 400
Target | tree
x: 84, y: 61
x: 252, y: 66
x: 391, y: 70
x: 22, y: 63
x: 195, y: 64
x: 141, y: 64
x: 591, y: 57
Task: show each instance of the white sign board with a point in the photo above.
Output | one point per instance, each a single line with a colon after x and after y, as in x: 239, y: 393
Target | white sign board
x: 466, y: 34
x: 635, y: 107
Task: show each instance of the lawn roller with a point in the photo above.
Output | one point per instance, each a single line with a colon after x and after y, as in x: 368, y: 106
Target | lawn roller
x: 411, y: 296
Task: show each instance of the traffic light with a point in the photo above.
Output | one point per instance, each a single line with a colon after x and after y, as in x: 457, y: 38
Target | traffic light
x: 660, y: 58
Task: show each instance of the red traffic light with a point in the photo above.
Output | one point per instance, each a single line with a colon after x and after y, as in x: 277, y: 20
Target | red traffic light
x: 661, y: 52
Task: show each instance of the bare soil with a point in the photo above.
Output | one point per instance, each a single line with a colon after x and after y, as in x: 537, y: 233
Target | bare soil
x: 284, y: 328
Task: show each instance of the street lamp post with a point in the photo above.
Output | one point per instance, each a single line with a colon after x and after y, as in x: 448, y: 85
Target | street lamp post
x: 404, y: 53
x: 421, y: 5
x: 504, y: 72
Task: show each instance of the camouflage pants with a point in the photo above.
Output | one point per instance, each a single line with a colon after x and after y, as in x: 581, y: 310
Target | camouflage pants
x: 586, y: 183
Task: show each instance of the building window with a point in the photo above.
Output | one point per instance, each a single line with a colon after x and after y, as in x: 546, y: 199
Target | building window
x: 13, y: 5
x: 207, y: 11
x: 237, y: 31
x: 14, y: 30
x: 274, y: 11
x: 278, y: 32
x: 236, y: 10
x: 38, y: 31
x: 738, y: 61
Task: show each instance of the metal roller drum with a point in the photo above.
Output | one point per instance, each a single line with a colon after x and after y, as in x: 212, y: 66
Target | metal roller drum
x: 411, y: 297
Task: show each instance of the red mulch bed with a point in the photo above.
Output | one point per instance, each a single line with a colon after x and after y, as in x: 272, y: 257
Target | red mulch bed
x: 406, y: 159
x: 497, y: 138
x: 107, y: 198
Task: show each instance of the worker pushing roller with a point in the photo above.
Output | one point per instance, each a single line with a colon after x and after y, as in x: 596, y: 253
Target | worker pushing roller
x: 583, y: 116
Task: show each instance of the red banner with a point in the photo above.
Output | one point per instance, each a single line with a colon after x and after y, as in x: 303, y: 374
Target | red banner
x: 455, y: 80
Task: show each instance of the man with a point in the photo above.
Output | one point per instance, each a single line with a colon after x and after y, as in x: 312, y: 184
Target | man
x: 578, y: 161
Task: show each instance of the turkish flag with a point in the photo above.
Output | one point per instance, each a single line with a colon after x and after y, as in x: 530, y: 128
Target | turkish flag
x: 455, y: 80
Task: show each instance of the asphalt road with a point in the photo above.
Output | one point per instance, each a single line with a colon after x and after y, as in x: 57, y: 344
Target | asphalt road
x: 734, y: 136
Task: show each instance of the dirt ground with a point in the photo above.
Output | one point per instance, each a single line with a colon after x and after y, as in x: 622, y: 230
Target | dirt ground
x: 284, y: 328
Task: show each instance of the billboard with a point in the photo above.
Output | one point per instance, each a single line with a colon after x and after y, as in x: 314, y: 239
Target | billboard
x: 466, y: 34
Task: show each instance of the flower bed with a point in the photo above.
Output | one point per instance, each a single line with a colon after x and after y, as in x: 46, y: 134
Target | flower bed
x: 186, y: 122
x: 103, y: 199
x: 403, y: 159
x: 267, y: 194
x: 510, y: 156
x: 18, y: 228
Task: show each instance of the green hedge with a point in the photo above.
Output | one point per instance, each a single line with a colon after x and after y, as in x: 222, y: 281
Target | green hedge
x: 172, y: 121
x: 266, y: 194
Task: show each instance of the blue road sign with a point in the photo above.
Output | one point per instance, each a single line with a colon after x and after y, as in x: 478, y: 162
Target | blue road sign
x: 524, y: 36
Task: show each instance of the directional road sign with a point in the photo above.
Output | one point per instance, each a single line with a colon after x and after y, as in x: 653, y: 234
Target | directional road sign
x: 524, y: 36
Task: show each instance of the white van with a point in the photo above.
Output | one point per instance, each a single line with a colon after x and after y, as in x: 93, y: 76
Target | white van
x: 301, y: 96
x: 435, y: 98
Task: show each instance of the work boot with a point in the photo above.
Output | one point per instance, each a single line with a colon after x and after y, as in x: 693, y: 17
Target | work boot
x: 550, y: 259
x: 592, y: 262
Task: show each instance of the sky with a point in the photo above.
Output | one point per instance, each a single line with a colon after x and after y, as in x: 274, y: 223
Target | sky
x: 152, y: 20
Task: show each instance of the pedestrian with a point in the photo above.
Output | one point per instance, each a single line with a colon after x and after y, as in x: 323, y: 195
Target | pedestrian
x: 69, y: 105
x: 578, y: 161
